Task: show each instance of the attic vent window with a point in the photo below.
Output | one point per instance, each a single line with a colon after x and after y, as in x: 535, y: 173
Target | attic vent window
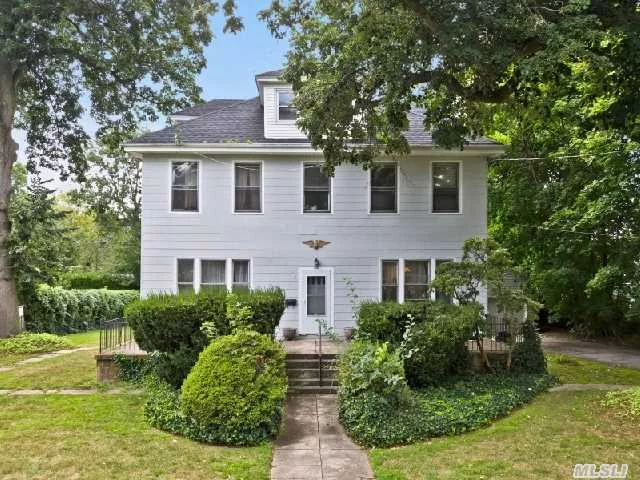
x: 286, y: 111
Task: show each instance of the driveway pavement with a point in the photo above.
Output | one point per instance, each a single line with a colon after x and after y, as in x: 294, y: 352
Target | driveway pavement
x: 561, y: 342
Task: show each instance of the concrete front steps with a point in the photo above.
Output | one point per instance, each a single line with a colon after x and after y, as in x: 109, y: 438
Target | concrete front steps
x: 311, y: 373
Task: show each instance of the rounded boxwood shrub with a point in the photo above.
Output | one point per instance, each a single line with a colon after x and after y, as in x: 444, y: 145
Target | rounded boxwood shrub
x: 237, y: 388
x: 387, y: 321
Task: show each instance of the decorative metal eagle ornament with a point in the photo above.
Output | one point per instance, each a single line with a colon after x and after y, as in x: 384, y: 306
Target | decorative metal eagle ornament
x: 316, y: 244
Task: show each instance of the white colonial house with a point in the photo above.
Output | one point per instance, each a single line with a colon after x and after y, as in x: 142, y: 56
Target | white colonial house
x: 233, y: 196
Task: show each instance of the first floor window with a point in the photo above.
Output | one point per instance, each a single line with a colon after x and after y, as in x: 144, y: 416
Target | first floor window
x: 185, y: 274
x: 416, y: 280
x: 248, y: 181
x: 240, y: 275
x: 446, y: 189
x: 213, y: 274
x: 443, y: 297
x: 384, y: 188
x: 184, y: 186
x: 390, y: 280
x: 317, y: 189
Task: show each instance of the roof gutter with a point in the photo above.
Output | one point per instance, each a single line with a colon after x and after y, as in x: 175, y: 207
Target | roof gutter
x: 293, y: 149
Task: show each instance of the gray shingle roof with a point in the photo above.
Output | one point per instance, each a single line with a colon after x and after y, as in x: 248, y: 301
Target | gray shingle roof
x: 207, y: 107
x: 242, y: 121
x: 270, y: 73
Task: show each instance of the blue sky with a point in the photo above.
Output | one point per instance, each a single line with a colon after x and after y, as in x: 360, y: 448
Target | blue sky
x: 232, y: 62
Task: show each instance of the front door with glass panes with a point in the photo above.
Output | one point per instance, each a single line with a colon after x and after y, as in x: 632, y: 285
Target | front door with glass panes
x: 316, y: 300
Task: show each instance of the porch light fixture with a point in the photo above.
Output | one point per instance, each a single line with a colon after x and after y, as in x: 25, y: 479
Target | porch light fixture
x: 316, y: 263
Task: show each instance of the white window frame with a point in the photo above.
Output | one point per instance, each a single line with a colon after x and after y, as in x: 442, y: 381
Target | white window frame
x: 197, y: 262
x: 278, y: 91
x: 399, y: 274
x: 226, y: 269
x: 430, y: 189
x: 331, y: 190
x: 185, y: 212
x: 369, y: 185
x: 233, y: 186
x: 429, y: 280
x: 249, y: 270
x: 196, y: 273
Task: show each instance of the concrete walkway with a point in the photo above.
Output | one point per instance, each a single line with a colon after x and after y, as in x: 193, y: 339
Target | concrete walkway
x: 44, y: 356
x: 581, y: 387
x: 314, y: 446
x: 562, y: 342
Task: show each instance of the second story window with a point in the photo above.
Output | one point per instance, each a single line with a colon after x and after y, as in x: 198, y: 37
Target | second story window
x: 184, y: 186
x: 384, y: 188
x: 317, y: 189
x: 286, y: 111
x: 446, y: 187
x: 248, y: 181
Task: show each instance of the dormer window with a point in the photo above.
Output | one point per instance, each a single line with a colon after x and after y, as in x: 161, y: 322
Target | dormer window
x: 286, y: 111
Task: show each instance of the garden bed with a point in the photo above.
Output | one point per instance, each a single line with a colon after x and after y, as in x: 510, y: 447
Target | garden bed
x: 457, y: 406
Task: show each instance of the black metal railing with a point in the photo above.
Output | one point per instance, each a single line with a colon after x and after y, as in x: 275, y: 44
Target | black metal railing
x: 496, y: 335
x: 116, y: 335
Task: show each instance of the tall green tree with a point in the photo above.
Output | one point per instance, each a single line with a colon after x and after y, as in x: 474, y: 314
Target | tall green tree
x: 112, y: 191
x: 552, y: 80
x: 130, y: 59
x: 37, y: 244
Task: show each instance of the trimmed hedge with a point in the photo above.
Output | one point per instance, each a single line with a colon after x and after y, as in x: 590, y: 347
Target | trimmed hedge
x: 171, y: 324
x: 387, y: 321
x: 237, y: 388
x: 97, y: 280
x: 436, y: 348
x: 57, y: 310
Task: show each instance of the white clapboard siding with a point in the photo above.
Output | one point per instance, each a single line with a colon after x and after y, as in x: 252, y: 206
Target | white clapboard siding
x: 273, y: 239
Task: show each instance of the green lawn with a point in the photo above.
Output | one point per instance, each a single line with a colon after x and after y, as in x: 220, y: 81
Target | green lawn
x: 105, y: 437
x: 540, y: 441
x: 90, y: 338
x: 576, y: 370
x: 73, y: 370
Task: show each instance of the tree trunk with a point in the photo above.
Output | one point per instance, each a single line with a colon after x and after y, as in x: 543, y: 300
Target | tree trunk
x: 9, y: 323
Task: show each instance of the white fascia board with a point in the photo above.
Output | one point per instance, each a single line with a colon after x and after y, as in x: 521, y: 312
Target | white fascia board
x: 296, y: 149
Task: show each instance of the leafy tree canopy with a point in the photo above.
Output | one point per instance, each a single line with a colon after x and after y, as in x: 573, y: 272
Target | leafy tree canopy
x: 359, y: 65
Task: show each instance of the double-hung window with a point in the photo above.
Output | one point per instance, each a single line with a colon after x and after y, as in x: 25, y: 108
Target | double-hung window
x: 416, y: 280
x: 446, y: 187
x: 443, y: 297
x: 185, y: 274
x: 317, y: 189
x: 384, y: 188
x: 184, y: 186
x: 286, y: 111
x: 240, y: 279
x: 390, y: 280
x: 248, y: 185
x: 213, y: 275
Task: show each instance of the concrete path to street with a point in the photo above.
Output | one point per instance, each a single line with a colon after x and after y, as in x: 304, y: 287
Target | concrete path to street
x: 561, y: 342
x: 314, y: 446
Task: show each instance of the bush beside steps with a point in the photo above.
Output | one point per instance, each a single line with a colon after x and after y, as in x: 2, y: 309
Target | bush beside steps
x: 234, y: 395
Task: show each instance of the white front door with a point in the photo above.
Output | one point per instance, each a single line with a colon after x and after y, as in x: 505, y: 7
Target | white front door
x: 316, y: 299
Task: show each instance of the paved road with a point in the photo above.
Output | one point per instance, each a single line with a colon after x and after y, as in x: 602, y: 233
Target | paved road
x: 561, y: 342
